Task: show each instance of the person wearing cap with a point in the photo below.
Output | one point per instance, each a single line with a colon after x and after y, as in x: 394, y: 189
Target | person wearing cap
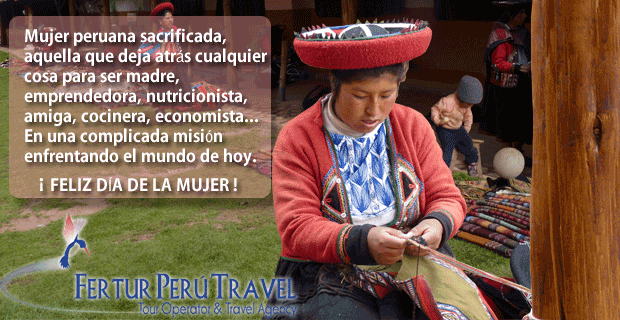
x: 453, y: 117
x: 356, y: 175
x: 507, y: 107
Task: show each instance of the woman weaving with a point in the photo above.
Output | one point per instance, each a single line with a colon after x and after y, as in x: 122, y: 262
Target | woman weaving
x: 357, y: 175
x: 162, y: 15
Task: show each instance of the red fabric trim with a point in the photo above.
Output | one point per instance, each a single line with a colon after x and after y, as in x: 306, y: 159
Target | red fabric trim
x: 358, y: 54
x: 427, y: 301
x: 382, y: 291
x: 342, y: 238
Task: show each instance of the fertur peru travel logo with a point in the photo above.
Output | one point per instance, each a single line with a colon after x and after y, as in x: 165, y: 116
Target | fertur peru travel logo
x: 70, y: 233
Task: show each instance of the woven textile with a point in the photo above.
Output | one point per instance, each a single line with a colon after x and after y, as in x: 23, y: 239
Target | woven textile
x: 521, y: 186
x: 497, y: 228
x: 525, y: 198
x: 500, y: 222
x: 490, y: 244
x: 500, y: 218
x: 443, y: 291
x: 519, y: 213
x: 506, y: 216
x: 480, y: 231
x: 507, y: 207
x: 519, y: 204
x: 517, y: 216
x: 524, y: 208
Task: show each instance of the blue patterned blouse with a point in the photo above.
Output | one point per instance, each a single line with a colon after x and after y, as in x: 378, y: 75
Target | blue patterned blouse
x: 364, y: 167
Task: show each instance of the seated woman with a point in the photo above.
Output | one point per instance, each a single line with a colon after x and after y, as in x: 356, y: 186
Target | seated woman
x: 162, y: 15
x: 357, y: 175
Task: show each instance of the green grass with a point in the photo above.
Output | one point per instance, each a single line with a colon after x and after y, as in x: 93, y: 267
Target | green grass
x: 8, y: 205
x: 137, y: 238
x: 140, y: 238
x: 480, y: 257
x: 462, y: 176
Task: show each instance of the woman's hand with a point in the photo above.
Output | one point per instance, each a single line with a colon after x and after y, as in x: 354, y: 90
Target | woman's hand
x: 386, y: 245
x: 432, y: 232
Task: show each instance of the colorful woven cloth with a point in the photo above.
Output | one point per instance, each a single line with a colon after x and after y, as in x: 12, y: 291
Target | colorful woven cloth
x: 521, y: 186
x: 522, y: 206
x: 482, y: 232
x: 515, y: 185
x: 519, y: 204
x: 490, y: 244
x: 506, y: 216
x: 500, y: 219
x: 517, y: 216
x: 508, y: 207
x: 525, y: 198
x: 473, y: 189
x: 443, y: 291
x: 497, y: 228
x: 507, y: 224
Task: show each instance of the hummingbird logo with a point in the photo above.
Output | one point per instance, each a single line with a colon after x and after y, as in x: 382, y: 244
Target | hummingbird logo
x: 70, y: 233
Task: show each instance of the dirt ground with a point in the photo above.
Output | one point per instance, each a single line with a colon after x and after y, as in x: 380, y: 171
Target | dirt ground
x: 31, y: 219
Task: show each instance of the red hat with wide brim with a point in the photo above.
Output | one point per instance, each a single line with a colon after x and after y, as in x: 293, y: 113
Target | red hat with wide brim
x: 363, y: 45
x: 161, y: 7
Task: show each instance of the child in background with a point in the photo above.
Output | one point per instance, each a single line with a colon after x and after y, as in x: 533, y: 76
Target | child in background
x: 453, y: 117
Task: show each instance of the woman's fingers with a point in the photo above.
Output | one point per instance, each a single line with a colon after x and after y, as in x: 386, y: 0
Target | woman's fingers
x: 386, y: 245
x: 431, y: 230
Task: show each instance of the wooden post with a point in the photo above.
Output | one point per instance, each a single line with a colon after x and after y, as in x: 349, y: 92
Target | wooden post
x: 349, y: 12
x: 231, y: 71
x: 29, y: 24
x: 106, y: 7
x: 190, y: 73
x: 106, y: 16
x: 4, y: 38
x: 575, y: 243
x: 72, y: 18
x: 154, y: 26
x: 283, y: 67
